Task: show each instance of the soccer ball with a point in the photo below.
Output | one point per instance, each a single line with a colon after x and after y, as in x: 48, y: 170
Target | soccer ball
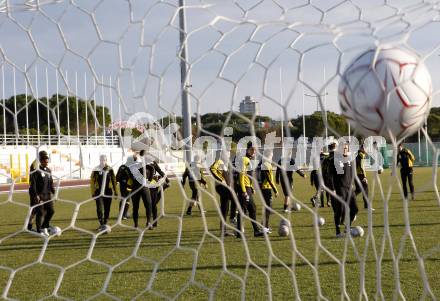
x: 386, y: 94
x: 55, y: 231
x: 380, y: 170
x: 296, y: 207
x: 284, y: 228
x: 357, y: 231
x: 321, y: 221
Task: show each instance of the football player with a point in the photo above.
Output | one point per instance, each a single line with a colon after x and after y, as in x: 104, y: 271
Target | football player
x: 103, y: 186
x: 284, y: 176
x: 220, y: 172
x: 267, y: 186
x: 41, y: 190
x: 247, y: 191
x: 195, y: 177
x: 406, y: 160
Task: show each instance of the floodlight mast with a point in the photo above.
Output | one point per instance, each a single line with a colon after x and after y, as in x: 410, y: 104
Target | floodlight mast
x: 184, y: 81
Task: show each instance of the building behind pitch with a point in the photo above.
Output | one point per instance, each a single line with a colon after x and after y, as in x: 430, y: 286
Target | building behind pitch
x: 249, y: 106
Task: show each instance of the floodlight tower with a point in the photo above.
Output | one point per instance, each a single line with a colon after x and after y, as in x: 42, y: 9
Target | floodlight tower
x: 184, y: 82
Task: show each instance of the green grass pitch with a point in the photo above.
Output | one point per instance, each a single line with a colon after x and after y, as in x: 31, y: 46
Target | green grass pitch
x: 184, y: 255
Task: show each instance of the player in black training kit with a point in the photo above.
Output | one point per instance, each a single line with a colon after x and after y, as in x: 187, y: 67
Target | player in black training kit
x: 156, y: 190
x: 32, y: 200
x: 360, y: 171
x: 194, y: 176
x: 284, y: 176
x: 125, y: 180
x: 40, y: 190
x: 342, y: 185
x: 406, y: 160
x: 142, y: 177
x: 314, y: 181
x: 103, y: 186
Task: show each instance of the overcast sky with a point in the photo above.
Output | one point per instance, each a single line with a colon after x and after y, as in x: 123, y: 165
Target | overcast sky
x: 236, y: 48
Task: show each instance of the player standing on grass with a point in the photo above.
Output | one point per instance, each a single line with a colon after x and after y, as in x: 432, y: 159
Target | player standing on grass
x: 195, y: 177
x: 33, y: 201
x: 142, y: 176
x: 406, y: 160
x: 267, y: 186
x: 328, y: 163
x: 235, y: 179
x: 284, y: 176
x: 377, y: 160
x: 156, y: 190
x: 247, y: 191
x: 40, y: 190
x: 360, y: 171
x: 125, y: 179
x: 342, y: 185
x: 103, y: 186
x: 314, y: 181
x: 219, y: 170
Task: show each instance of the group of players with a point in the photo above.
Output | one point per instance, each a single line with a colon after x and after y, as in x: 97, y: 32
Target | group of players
x: 137, y: 180
x: 236, y: 185
x: 236, y: 182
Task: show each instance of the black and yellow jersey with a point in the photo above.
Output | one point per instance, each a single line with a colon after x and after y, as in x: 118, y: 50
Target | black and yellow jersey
x: 405, y: 158
x: 97, y: 180
x: 218, y: 170
x: 158, y: 175
x: 268, y: 178
x: 360, y: 163
x: 244, y: 179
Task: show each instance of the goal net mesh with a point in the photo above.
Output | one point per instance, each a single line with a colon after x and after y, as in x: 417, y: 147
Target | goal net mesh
x: 124, y: 57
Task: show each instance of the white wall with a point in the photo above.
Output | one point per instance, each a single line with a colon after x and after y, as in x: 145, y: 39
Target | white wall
x: 74, y: 162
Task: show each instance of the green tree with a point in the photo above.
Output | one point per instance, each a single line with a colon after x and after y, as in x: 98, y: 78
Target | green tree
x: 27, y: 110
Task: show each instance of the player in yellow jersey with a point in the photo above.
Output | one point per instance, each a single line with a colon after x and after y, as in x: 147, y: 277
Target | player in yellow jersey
x: 246, y: 192
x: 220, y: 171
x: 267, y: 185
x: 406, y: 160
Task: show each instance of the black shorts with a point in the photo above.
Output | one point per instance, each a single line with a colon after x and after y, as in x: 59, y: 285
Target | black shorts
x: 314, y: 178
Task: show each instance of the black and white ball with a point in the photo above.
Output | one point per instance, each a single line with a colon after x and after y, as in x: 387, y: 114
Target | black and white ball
x: 284, y: 228
x: 296, y: 207
x: 54, y: 231
x: 380, y: 170
x: 357, y: 231
x: 386, y: 92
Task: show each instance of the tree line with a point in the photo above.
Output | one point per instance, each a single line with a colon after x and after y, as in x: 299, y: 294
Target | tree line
x: 62, y: 110
x: 206, y: 124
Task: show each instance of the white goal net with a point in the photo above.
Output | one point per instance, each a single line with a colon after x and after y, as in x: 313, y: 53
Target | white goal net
x: 79, y: 78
